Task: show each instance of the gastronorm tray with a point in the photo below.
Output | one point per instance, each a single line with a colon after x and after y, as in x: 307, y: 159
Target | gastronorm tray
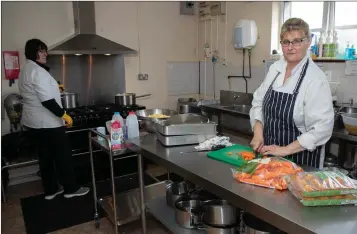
x: 183, y: 140
x: 186, y: 129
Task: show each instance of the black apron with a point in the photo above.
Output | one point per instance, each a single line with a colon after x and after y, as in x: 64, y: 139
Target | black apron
x: 279, y: 126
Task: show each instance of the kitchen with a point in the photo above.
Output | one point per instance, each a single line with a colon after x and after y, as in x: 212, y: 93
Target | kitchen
x: 167, y: 58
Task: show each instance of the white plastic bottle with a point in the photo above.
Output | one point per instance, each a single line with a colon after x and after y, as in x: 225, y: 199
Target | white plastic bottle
x: 116, y: 134
x: 132, y: 125
x: 118, y: 117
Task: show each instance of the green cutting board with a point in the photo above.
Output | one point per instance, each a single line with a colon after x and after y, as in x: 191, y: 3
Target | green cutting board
x: 234, y: 159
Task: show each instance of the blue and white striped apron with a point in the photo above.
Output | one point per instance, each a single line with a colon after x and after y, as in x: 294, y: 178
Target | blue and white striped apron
x: 279, y: 126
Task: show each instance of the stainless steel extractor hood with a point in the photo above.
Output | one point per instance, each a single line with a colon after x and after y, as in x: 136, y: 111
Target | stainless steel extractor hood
x: 85, y: 39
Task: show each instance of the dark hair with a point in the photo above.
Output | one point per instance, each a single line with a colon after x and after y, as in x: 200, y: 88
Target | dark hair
x: 32, y: 47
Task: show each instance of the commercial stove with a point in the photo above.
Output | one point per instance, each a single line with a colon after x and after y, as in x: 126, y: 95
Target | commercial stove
x: 85, y: 118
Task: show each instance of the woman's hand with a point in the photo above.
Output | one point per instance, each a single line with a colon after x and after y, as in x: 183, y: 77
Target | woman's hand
x: 68, y: 120
x: 275, y: 150
x: 258, y: 140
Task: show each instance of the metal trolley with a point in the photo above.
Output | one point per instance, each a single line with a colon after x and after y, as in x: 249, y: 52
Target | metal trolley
x: 124, y: 207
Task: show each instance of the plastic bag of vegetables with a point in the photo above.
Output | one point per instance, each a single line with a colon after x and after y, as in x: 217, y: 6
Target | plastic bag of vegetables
x: 266, y: 172
x: 321, y: 184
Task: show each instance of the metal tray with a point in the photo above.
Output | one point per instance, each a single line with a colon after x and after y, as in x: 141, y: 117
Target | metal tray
x: 183, y: 140
x: 186, y: 129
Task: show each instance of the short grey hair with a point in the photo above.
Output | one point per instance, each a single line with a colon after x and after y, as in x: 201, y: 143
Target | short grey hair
x: 297, y: 24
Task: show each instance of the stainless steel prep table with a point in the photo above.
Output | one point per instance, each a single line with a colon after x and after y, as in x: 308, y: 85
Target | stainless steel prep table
x: 124, y: 207
x: 280, y: 209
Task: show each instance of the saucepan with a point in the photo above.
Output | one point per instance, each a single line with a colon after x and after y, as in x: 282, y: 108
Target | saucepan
x: 127, y: 99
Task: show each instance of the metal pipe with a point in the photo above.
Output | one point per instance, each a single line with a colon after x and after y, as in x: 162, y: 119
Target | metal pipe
x: 142, y: 197
x: 96, y: 215
x: 113, y: 181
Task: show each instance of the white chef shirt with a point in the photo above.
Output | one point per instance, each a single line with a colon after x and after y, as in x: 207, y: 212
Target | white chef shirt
x: 36, y: 85
x: 313, y: 113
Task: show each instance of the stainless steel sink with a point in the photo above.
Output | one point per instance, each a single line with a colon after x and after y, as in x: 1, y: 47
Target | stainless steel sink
x: 239, y: 108
x: 348, y: 109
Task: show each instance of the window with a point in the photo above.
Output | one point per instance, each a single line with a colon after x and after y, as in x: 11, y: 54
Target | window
x: 311, y: 12
x: 316, y: 14
x: 346, y: 22
x: 345, y: 14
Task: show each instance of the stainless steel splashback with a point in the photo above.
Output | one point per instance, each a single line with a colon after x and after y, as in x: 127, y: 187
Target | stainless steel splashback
x: 97, y: 78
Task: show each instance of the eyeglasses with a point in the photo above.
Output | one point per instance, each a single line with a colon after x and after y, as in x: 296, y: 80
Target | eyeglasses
x: 296, y: 42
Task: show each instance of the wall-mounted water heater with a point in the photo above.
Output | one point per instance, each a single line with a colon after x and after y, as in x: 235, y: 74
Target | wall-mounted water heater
x: 245, y: 34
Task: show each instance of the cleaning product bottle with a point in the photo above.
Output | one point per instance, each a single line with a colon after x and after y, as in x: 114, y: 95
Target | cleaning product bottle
x: 118, y: 117
x: 132, y: 125
x: 352, y: 52
x: 327, y: 45
x: 116, y: 134
x: 347, y: 51
x: 321, y: 43
x: 335, y: 44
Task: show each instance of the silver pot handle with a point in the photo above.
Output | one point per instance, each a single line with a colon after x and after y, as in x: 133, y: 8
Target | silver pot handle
x: 144, y: 95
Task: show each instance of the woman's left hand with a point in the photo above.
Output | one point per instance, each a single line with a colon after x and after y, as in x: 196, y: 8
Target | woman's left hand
x: 278, y: 151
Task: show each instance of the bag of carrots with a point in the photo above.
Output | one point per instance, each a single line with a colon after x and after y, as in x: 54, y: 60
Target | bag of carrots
x: 266, y: 172
x: 321, y: 184
x: 348, y: 199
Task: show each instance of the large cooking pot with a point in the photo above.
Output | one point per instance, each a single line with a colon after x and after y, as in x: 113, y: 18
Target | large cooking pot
x: 176, y: 190
x: 69, y: 100
x: 219, y: 213
x: 127, y: 99
x: 188, y: 213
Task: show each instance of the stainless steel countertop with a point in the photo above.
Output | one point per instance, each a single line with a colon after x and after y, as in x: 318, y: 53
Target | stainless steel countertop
x: 340, y: 133
x: 280, y: 209
x: 222, y: 109
x: 343, y: 134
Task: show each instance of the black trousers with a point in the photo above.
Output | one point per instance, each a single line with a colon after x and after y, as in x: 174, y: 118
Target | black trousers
x: 55, y: 159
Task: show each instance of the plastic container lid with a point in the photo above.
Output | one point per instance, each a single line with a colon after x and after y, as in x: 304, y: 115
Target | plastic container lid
x: 131, y: 113
x: 116, y: 113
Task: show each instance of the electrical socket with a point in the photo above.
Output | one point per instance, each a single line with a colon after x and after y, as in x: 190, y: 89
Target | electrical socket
x: 143, y: 76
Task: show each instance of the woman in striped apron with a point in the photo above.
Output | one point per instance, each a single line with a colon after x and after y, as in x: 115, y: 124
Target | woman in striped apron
x: 292, y: 114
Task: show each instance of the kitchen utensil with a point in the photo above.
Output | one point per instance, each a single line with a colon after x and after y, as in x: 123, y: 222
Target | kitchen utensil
x: 220, y: 230
x: 187, y: 119
x: 214, y: 148
x: 13, y: 106
x: 188, y: 213
x: 231, y: 154
x: 167, y: 129
x: 185, y: 105
x: 219, y: 213
x: 183, y: 140
x: 253, y: 225
x: 127, y: 99
x: 176, y: 190
x: 69, y: 100
x: 350, y: 122
x: 147, y: 122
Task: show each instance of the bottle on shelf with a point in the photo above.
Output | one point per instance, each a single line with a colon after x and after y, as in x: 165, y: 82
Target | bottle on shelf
x: 347, y: 51
x: 335, y: 45
x: 327, y: 44
x: 116, y: 134
x: 321, y: 43
x: 118, y: 117
x: 352, y: 52
x: 132, y: 125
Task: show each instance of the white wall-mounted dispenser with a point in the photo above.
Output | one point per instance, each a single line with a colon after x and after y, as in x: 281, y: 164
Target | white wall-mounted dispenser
x: 245, y: 34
